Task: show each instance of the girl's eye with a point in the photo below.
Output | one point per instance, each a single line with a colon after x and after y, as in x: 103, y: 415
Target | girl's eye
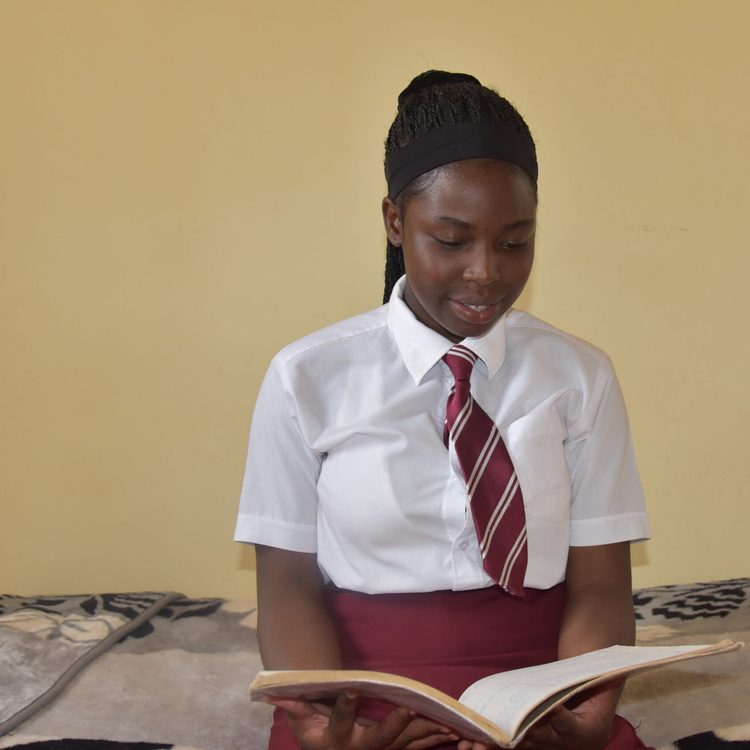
x: 513, y: 246
x: 451, y: 244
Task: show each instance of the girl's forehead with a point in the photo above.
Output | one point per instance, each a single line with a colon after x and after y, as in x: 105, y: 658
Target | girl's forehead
x: 484, y: 170
x: 476, y: 185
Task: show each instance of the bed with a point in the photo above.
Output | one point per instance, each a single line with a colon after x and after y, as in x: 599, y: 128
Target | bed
x: 160, y: 670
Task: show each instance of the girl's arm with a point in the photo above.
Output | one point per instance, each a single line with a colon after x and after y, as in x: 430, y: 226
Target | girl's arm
x: 296, y: 632
x: 599, y: 610
x: 294, y: 629
x: 598, y: 613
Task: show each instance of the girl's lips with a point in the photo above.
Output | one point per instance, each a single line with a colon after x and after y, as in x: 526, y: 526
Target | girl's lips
x: 478, y: 315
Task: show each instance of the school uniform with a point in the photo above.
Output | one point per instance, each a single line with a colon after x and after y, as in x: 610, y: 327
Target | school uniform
x: 347, y: 460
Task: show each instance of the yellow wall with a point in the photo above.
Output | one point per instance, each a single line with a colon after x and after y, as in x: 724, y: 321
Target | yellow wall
x: 187, y: 186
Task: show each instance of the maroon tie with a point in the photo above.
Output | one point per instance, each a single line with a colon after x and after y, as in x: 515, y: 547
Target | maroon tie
x: 491, y: 482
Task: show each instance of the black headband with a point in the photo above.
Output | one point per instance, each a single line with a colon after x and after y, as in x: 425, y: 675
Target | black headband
x: 467, y: 140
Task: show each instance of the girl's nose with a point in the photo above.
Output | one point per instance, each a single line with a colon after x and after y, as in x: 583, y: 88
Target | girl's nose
x: 483, y: 266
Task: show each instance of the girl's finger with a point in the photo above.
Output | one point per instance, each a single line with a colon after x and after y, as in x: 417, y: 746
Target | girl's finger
x: 472, y: 745
x: 389, y: 732
x: 431, y: 741
x: 342, y: 718
x: 420, y: 733
x: 297, y: 709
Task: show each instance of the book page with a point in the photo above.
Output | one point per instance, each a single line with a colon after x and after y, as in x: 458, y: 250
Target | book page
x: 401, y: 691
x: 506, y: 698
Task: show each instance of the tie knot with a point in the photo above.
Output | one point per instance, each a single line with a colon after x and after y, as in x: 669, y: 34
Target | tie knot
x: 460, y: 361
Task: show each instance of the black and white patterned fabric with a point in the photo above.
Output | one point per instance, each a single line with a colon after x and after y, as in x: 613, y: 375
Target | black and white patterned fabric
x: 692, y: 602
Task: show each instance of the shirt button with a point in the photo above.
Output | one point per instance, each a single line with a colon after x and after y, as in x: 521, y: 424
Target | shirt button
x: 463, y: 546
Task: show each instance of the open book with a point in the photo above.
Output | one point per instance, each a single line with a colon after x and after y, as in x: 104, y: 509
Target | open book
x: 497, y: 709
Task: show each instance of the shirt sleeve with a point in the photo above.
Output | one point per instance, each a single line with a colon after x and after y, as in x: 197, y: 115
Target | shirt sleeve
x: 278, y: 504
x: 607, y: 497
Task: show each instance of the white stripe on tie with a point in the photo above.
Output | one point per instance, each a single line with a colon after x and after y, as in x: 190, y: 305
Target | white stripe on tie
x: 498, y: 513
x: 482, y: 461
x: 512, y: 557
x: 462, y: 419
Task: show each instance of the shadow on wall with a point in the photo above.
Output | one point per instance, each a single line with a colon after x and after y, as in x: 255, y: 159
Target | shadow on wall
x: 245, y: 557
x: 639, y: 555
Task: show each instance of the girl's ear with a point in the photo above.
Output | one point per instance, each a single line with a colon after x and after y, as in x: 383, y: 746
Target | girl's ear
x: 392, y: 222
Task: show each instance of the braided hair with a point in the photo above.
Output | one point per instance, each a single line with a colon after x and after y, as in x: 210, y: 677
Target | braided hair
x: 434, y: 99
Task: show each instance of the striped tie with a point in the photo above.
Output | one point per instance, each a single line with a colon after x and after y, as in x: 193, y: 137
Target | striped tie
x: 491, y: 482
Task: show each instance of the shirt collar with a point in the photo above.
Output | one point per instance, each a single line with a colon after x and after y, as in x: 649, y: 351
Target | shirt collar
x: 421, y: 348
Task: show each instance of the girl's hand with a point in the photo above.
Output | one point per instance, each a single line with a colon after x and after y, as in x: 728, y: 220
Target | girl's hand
x: 473, y: 745
x: 320, y: 727
x: 586, y: 726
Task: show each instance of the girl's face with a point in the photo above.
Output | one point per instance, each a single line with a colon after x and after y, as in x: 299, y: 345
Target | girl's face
x: 468, y: 245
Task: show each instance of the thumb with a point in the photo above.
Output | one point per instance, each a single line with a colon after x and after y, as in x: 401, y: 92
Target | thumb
x: 563, y: 721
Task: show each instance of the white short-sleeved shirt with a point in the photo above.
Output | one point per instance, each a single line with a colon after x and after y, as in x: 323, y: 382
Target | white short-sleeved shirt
x: 347, y: 460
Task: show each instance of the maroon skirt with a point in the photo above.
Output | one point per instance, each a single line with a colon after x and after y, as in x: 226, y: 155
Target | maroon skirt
x: 447, y: 639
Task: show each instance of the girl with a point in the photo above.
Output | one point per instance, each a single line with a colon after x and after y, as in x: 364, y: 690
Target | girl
x: 375, y: 547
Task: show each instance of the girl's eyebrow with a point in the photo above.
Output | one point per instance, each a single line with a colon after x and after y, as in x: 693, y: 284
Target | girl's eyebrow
x: 466, y: 225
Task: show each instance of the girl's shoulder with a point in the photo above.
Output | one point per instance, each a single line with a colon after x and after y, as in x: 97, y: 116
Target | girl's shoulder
x: 535, y: 337
x: 351, y: 337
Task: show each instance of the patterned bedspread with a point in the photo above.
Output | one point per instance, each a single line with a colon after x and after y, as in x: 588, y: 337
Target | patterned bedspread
x: 706, y: 704
x: 116, y: 671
